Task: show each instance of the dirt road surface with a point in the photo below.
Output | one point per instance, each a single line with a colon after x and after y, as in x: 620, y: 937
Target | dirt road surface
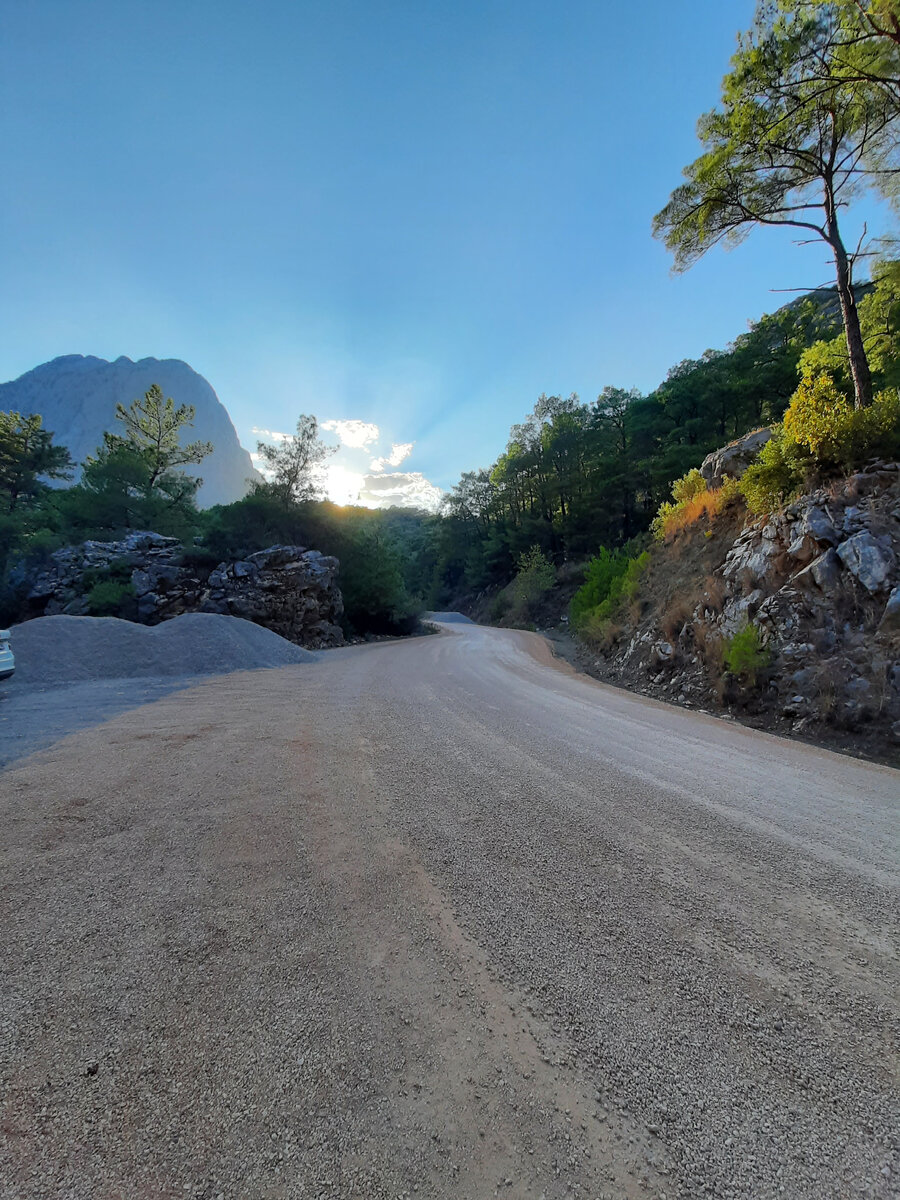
x: 441, y: 918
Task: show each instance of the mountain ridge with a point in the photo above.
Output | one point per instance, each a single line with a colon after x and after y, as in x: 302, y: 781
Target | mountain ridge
x: 76, y: 395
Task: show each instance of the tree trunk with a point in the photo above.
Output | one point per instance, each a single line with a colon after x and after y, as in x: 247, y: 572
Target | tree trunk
x: 856, y: 350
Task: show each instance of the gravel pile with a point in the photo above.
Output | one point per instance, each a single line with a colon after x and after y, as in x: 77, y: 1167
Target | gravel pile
x: 60, y: 650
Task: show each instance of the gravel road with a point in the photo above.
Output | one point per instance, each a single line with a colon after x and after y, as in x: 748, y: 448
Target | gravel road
x: 441, y: 918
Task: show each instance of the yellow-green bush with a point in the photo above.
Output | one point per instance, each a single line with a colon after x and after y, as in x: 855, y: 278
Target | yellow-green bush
x: 778, y: 473
x: 822, y: 432
x: 693, y: 499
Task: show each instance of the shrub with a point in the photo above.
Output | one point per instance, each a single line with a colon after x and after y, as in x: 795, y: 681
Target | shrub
x: 105, y: 598
x: 744, y: 654
x: 822, y: 432
x: 603, y: 570
x: 535, y: 578
x: 500, y: 606
x: 693, y: 500
x: 817, y: 417
x: 623, y: 586
x: 822, y: 420
x: 688, y: 487
x: 780, y: 470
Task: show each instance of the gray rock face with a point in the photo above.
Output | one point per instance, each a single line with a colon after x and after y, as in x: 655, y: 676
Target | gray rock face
x: 890, y: 618
x: 867, y: 559
x: 77, y: 396
x: 288, y: 589
x: 733, y: 459
x: 820, y: 583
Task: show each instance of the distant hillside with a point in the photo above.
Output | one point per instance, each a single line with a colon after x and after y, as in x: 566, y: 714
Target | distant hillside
x: 77, y: 396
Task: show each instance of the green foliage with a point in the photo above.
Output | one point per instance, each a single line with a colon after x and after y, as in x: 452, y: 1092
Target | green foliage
x: 371, y: 580
x: 152, y: 430
x: 693, y: 500
x: 292, y: 463
x: 805, y: 113
x: 821, y: 421
x: 822, y: 434
x: 133, y: 480
x: 576, y: 475
x: 105, y: 599
x: 745, y: 655
x: 533, y: 581
x: 688, y: 486
x: 604, y: 569
x: 818, y: 417
x: 27, y: 453
x: 614, y: 580
x: 385, y: 555
x: 776, y: 475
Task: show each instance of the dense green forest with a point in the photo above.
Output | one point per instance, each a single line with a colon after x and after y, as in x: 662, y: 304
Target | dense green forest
x: 576, y: 475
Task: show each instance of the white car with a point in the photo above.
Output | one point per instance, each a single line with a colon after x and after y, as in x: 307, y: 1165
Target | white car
x: 7, y: 660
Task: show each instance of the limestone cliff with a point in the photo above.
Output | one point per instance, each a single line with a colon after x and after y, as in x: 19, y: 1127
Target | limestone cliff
x: 77, y: 395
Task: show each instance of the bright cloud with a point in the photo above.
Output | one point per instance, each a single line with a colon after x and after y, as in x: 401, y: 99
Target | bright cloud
x: 269, y: 435
x: 356, y: 434
x: 399, y: 452
x: 400, y: 489
x: 350, y: 475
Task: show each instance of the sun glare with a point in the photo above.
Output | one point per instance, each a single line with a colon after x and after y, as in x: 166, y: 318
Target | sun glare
x: 341, y: 485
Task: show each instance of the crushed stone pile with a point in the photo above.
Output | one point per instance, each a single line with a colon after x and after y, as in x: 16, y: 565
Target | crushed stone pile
x: 62, y: 649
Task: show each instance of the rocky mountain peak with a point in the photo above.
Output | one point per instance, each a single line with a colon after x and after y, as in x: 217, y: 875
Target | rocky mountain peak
x: 76, y: 395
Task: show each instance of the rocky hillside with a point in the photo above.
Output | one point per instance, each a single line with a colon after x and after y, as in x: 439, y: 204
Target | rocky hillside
x: 150, y: 579
x: 77, y: 396
x: 791, y: 621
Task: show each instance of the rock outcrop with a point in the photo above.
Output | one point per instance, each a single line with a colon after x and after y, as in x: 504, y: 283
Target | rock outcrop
x: 77, y: 395
x: 820, y: 581
x: 733, y: 459
x: 288, y: 589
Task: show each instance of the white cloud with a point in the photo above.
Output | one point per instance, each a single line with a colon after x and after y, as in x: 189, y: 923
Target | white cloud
x: 401, y: 489
x: 269, y: 435
x: 356, y: 434
x: 399, y: 452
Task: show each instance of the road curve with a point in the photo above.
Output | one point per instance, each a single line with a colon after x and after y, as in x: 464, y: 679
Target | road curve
x: 442, y: 918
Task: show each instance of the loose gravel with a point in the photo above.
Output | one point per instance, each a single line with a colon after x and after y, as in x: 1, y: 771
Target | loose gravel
x: 75, y: 672
x: 441, y: 918
x: 52, y: 650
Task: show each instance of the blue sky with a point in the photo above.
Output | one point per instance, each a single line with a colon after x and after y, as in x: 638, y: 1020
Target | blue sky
x: 415, y: 215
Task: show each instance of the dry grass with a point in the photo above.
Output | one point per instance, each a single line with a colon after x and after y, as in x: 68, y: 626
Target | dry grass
x: 601, y: 635
x: 714, y: 593
x: 825, y: 695
x: 707, y: 504
x: 676, y: 615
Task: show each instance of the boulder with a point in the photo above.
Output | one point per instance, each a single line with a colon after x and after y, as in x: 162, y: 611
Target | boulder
x: 733, y: 459
x: 817, y: 525
x: 288, y: 589
x: 868, y: 560
x: 890, y: 618
x: 822, y: 573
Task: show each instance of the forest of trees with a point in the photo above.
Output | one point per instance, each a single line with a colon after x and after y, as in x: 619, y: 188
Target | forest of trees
x: 807, y: 123
x: 576, y: 475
